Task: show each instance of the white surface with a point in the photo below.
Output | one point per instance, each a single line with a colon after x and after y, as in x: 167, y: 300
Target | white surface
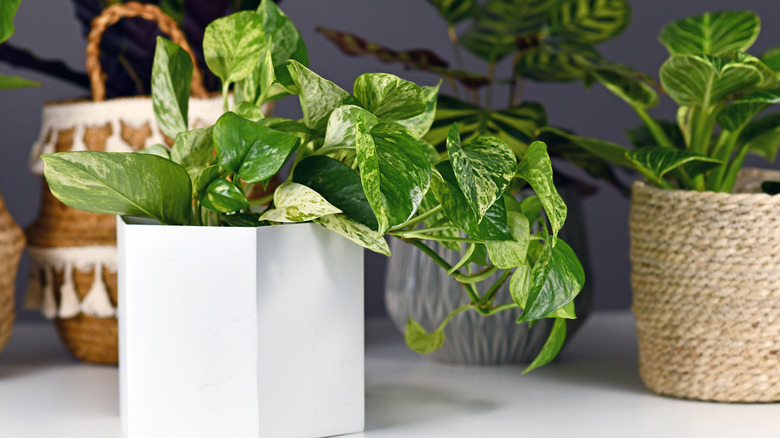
x: 245, y: 344
x: 592, y: 391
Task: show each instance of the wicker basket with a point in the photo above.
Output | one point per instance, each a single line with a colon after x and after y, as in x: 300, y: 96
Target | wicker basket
x: 11, y: 246
x: 706, y: 284
x: 73, y: 253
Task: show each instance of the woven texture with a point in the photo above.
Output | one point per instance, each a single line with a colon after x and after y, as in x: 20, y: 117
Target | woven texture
x: 706, y: 284
x: 11, y: 246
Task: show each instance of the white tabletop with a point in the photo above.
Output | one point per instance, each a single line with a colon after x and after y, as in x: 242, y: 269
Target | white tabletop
x: 592, y: 391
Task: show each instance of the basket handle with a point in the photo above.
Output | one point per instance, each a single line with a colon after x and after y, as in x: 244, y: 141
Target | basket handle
x: 113, y: 14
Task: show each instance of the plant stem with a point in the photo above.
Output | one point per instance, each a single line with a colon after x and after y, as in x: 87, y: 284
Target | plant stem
x: 655, y: 129
x: 501, y: 308
x: 736, y: 164
x: 452, y: 314
x: 419, y: 218
x: 724, y: 148
x: 464, y: 279
x: 455, y: 46
x: 225, y: 91
x: 489, y: 91
x: 415, y: 234
x: 491, y: 293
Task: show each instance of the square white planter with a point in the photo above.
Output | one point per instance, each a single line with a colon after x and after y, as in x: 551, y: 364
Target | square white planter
x: 239, y: 332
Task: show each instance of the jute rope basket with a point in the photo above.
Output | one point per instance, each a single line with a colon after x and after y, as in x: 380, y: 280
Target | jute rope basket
x: 11, y: 246
x: 706, y: 284
x: 73, y: 253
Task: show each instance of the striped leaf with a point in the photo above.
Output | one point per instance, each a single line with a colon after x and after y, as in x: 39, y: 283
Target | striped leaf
x: 484, y: 167
x: 641, y: 136
x: 659, y: 161
x: 742, y: 110
x: 557, y: 62
x: 498, y: 24
x: 697, y: 80
x: 762, y: 136
x: 772, y: 59
x: 589, y: 21
x: 628, y: 85
x: 711, y: 33
x: 355, y: 231
x: 454, y: 11
x: 295, y: 202
x: 516, y: 126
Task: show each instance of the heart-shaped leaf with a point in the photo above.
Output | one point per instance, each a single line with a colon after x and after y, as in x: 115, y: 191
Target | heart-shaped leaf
x: 711, y: 33
x: 286, y: 40
x: 125, y: 184
x: 695, y: 80
x: 194, y: 148
x: 223, y: 196
x: 658, y: 161
x: 339, y: 184
x: 421, y: 341
x: 389, y: 97
x: 171, y: 78
x: 589, y: 22
x: 494, y: 223
x: 355, y: 231
x: 342, y: 125
x: 233, y: 45
x: 536, y: 169
x: 484, y: 168
x: 419, y: 125
x: 255, y: 89
x: 394, y: 172
x: 551, y: 347
x: 511, y: 253
x: 201, y: 177
x: 295, y: 202
x: 318, y: 96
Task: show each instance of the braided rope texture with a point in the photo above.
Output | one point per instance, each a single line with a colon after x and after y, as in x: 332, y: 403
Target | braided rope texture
x: 706, y: 284
x: 11, y: 246
x: 112, y: 15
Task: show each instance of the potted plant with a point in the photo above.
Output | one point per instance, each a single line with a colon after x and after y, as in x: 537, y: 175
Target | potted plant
x: 11, y: 236
x: 242, y: 325
x: 702, y: 239
x: 547, y: 42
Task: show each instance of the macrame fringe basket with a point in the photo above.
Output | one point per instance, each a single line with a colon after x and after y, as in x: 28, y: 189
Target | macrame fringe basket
x: 73, y: 253
x: 706, y: 284
x: 11, y: 247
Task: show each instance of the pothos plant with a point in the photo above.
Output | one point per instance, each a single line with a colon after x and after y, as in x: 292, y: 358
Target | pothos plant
x: 359, y: 167
x: 8, y: 10
x: 546, y: 41
x: 720, y: 89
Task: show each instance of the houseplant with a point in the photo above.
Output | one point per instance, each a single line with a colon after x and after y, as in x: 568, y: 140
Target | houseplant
x: 360, y: 169
x: 11, y: 236
x: 702, y: 244
x: 547, y: 41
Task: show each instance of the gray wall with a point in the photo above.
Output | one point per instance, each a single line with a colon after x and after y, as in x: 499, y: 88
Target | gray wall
x: 50, y: 29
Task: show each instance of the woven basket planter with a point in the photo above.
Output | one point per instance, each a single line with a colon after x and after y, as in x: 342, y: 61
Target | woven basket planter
x: 73, y: 253
x: 706, y: 284
x: 11, y: 246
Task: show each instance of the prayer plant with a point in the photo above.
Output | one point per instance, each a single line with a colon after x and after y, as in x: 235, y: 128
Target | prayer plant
x: 359, y: 167
x: 720, y: 90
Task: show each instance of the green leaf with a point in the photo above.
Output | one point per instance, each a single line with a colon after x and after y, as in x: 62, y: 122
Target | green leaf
x: 248, y: 111
x: 286, y: 40
x: 694, y: 80
x: 339, y: 184
x: 355, y: 231
x: 171, y: 78
x: 342, y: 125
x: 711, y: 33
x: 561, y: 284
x: 516, y: 126
x: 565, y: 312
x: 589, y: 22
x: 551, y: 347
x: 419, y: 340
x: 531, y: 207
x: 233, y: 45
x: 193, y: 148
x: 14, y: 82
x: 201, y: 177
x: 498, y: 24
x: 7, y: 12
x: 454, y: 11
x: 536, y: 169
x: 394, y: 172
x: 658, y: 161
x: 561, y: 61
x: 251, y: 220
x: 318, y: 96
x: 156, y: 149
x: 257, y: 87
x: 771, y: 59
x: 389, y: 97
x: 628, y: 85
x: 223, y: 196
x: 483, y: 168
x: 125, y: 184
x: 607, y: 151
x: 493, y: 225
x: 520, y: 284
x: 641, y: 135
x: 295, y: 202
x: 250, y: 149
x: 419, y: 125
x: 429, y: 203
x: 739, y: 112
x: 511, y: 253
x: 762, y: 136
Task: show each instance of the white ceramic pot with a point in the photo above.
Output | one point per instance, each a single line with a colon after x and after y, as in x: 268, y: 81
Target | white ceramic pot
x: 239, y: 332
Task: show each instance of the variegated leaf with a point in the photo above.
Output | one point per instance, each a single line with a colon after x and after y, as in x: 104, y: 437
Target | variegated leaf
x: 285, y: 40
x: 233, y: 45
x: 419, y: 125
x: 696, y: 80
x: 711, y: 33
x: 318, y: 96
x: 589, y: 21
x: 171, y: 77
x: 342, y: 125
x: 355, y: 231
x: 389, y: 97
x: 295, y: 202
x: 660, y: 160
x: 484, y: 167
x: 536, y: 169
x: 557, y: 62
x: 511, y: 253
